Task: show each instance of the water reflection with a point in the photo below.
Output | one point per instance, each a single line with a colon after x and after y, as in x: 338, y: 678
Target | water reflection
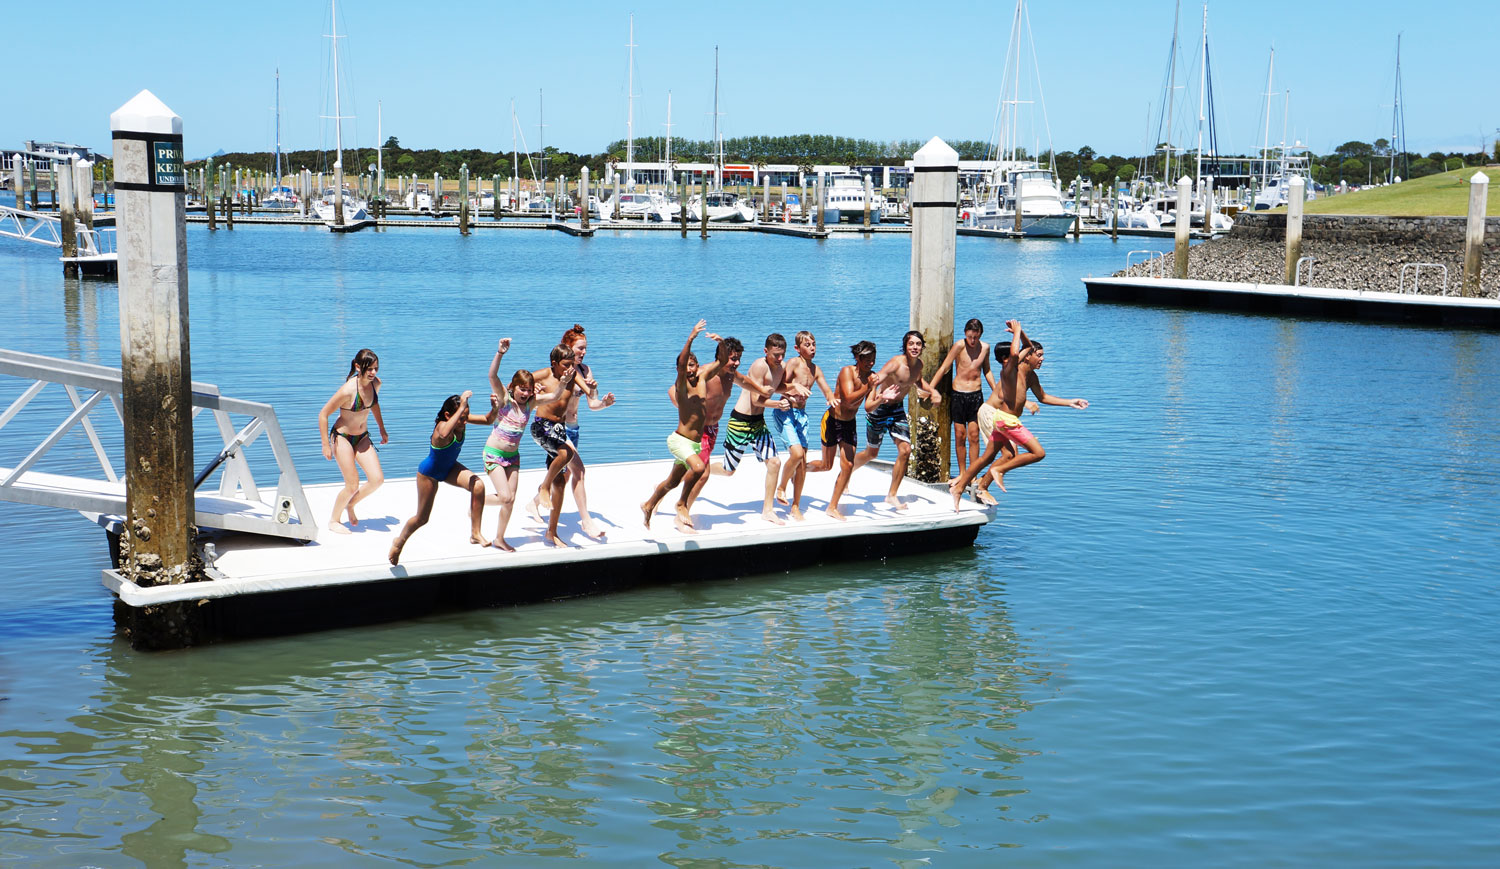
x: 855, y: 705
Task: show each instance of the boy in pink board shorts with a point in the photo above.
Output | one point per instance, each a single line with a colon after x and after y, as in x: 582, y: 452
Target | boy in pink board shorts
x: 1018, y: 376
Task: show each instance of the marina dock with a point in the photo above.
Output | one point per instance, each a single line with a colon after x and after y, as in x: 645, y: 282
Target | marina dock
x: 1452, y: 311
x: 262, y: 586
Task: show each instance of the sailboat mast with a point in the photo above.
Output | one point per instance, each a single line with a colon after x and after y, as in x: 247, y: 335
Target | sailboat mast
x: 278, y: 126
x: 541, y: 138
x: 718, y: 144
x: 379, y: 150
x: 1396, y: 125
x: 515, y: 154
x: 1202, y: 94
x: 1265, y: 140
x: 1172, y: 85
x: 668, y: 158
x: 338, y: 112
x: 630, y: 109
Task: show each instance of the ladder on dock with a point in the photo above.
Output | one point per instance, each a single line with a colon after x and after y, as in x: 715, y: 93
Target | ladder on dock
x: 236, y: 505
x: 96, y: 247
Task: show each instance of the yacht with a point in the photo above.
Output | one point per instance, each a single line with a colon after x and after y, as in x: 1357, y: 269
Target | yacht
x: 723, y: 207
x: 642, y: 205
x: 419, y: 199
x: 355, y: 209
x: 280, y: 198
x: 846, y: 199
x: 1031, y: 188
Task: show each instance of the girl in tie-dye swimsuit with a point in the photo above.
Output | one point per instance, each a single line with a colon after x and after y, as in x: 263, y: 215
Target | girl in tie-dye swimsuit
x: 502, y: 452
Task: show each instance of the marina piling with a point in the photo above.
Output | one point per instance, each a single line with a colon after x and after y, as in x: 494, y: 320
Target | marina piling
x: 18, y: 186
x: 463, y: 199
x: 83, y: 187
x: 1208, y: 206
x: 615, y: 211
x: 867, y: 201
x: 1479, y: 189
x: 934, y: 241
x: 1183, y: 226
x: 156, y: 542
x: 67, y: 217
x: 1114, y: 211
x: 583, y: 199
x: 228, y: 210
x: 306, y: 176
x: 703, y: 210
x: 338, y: 192
x: 682, y: 202
x: 1294, y: 197
x: 765, y: 199
x: 1077, y: 208
x: 822, y: 201
x: 36, y: 194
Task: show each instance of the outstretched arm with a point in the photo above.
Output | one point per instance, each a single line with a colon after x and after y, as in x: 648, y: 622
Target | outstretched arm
x: 561, y: 388
x: 947, y: 362
x: 687, y: 347
x: 828, y: 395
x: 495, y: 385
x: 1035, y: 384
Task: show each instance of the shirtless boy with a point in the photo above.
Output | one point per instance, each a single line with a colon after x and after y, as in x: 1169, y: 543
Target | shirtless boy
x: 970, y: 361
x: 839, y: 428
x: 716, y: 396
x: 747, y: 422
x: 790, y: 425
x: 549, y: 431
x: 885, y: 409
x: 1026, y: 358
x: 685, y: 443
x: 980, y: 487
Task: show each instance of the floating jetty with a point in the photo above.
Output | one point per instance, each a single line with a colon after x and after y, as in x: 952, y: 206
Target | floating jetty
x: 263, y: 586
x: 1454, y: 311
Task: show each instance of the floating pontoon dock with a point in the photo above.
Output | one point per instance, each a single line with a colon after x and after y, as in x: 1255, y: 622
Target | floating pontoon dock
x: 264, y: 586
x: 1476, y: 313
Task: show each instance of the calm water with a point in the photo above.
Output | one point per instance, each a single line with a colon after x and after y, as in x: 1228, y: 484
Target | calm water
x: 1244, y: 613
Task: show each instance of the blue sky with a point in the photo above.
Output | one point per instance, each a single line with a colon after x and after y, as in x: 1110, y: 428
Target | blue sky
x: 445, y: 73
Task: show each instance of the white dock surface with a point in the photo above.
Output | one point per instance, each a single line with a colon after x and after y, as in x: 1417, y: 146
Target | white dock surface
x: 727, y: 515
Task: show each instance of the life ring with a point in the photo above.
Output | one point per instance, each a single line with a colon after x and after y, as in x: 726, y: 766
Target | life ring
x: 966, y: 216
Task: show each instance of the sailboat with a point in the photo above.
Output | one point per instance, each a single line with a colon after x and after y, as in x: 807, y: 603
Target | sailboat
x: 1019, y: 184
x: 338, y: 206
x: 279, y: 197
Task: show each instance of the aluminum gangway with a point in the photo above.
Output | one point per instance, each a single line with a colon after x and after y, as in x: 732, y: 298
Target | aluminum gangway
x: 237, y: 504
x: 96, y: 247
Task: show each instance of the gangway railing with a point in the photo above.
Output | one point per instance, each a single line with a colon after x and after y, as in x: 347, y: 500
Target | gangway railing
x: 46, y: 229
x: 238, y: 505
x: 1416, y: 276
x: 1297, y: 277
x: 1154, y: 260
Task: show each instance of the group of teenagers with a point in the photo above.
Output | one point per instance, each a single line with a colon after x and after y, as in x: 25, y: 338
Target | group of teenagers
x: 545, y: 402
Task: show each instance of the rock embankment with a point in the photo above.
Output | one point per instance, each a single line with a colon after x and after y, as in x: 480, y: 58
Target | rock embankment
x: 1347, y: 258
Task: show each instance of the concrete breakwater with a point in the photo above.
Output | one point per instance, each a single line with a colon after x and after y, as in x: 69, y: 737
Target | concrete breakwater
x: 1353, y: 252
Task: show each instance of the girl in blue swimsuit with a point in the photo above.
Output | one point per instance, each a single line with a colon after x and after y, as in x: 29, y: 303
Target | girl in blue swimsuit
x: 442, y: 466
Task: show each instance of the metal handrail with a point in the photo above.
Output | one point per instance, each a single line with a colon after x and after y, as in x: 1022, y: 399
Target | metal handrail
x: 236, y: 481
x: 1155, y: 260
x: 1297, y: 270
x: 1416, y: 279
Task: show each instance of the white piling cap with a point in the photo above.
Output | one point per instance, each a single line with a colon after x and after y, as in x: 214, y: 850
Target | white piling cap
x: 144, y: 113
x: 1185, y: 180
x: 936, y: 153
x: 1480, y: 178
x: 1298, y: 181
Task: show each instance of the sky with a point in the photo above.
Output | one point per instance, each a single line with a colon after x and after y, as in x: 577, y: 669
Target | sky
x: 445, y: 75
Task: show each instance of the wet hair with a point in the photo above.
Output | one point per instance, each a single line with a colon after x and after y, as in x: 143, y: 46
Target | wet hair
x: 692, y: 357
x: 974, y: 326
x: 451, y: 404
x: 862, y: 349
x: 561, y: 352
x: 802, y: 336
x: 522, y: 377
x: 364, y: 360
x: 1002, y: 349
x: 908, y: 336
x: 774, y: 340
x: 571, y: 336
x: 730, y: 346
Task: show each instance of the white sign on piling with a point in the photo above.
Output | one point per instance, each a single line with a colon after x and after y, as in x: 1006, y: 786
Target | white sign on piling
x: 150, y: 201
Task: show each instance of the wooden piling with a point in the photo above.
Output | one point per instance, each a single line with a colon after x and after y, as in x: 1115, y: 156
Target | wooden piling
x: 67, y: 216
x: 682, y: 198
x: 583, y: 198
x: 1479, y: 191
x: 495, y: 186
x: 703, y: 210
x: 83, y: 192
x: 934, y: 242
x: 615, y: 210
x: 1294, y: 197
x: 868, y: 197
x: 822, y: 200
x: 1114, y: 211
x: 18, y: 185
x: 157, y: 541
x: 765, y: 199
x: 463, y: 199
x: 228, y: 211
x: 338, y: 192
x: 36, y: 194
x: 1183, y: 226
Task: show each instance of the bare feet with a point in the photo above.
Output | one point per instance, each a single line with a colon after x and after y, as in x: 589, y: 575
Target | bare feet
x: 479, y: 538
x: 592, y: 530
x: 684, y: 526
x: 338, y: 528
x: 958, y: 495
x: 984, y: 497
x: 770, y: 516
x: 894, y: 502
x: 781, y: 498
x: 533, y: 508
x: 834, y: 512
x: 797, y: 513
x: 500, y: 544
x: 999, y: 479
x: 646, y: 512
x: 555, y: 541
x: 353, y: 519
x: 395, y: 554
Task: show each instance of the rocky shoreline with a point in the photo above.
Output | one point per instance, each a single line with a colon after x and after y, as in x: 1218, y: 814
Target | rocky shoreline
x: 1247, y: 255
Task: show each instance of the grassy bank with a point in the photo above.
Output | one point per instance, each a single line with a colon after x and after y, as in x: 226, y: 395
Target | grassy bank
x: 1432, y: 196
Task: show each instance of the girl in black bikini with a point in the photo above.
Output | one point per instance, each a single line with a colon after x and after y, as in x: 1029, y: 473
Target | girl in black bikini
x: 348, y: 439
